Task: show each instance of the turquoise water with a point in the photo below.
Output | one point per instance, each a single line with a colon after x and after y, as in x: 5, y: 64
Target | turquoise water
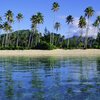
x: 50, y: 78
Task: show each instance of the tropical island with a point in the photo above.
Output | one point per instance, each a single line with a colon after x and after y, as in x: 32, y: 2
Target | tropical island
x: 50, y: 50
x: 33, y: 39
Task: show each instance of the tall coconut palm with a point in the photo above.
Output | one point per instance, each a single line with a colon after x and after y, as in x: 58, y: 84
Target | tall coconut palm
x: 69, y: 21
x: 9, y: 17
x: 82, y: 25
x: 19, y: 18
x: 55, y: 8
x: 40, y: 20
x: 57, y: 28
x: 36, y: 20
x: 89, y: 12
x: 33, y: 27
x: 7, y: 28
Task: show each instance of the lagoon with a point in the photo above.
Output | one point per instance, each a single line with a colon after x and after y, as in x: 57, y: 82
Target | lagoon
x: 50, y: 78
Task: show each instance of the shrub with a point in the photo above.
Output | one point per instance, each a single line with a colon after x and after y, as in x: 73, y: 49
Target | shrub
x: 45, y: 46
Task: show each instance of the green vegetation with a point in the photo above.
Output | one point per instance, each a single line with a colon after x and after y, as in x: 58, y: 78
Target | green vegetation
x: 33, y: 39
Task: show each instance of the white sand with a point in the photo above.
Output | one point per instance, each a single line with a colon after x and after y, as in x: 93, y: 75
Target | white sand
x: 57, y: 52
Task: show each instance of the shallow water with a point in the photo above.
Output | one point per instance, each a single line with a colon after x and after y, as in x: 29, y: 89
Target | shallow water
x: 50, y: 78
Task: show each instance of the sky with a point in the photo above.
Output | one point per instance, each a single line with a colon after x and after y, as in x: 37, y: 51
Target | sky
x: 67, y: 7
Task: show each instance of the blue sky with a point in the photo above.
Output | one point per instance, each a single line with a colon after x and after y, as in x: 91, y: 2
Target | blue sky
x: 30, y: 7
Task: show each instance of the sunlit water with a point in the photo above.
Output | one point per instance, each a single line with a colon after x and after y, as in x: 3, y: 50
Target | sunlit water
x: 50, y: 78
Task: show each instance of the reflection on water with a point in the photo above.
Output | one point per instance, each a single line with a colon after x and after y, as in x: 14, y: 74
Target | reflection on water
x: 49, y: 78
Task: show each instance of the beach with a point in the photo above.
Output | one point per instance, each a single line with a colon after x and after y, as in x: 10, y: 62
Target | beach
x: 56, y: 53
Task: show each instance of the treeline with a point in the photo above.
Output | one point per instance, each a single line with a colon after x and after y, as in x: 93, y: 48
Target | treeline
x: 39, y: 41
x: 32, y: 39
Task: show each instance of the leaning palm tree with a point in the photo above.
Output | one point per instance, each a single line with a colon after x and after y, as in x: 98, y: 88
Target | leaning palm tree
x: 55, y: 8
x: 7, y: 28
x: 82, y: 25
x: 9, y: 17
x: 19, y: 18
x: 89, y: 12
x: 69, y: 21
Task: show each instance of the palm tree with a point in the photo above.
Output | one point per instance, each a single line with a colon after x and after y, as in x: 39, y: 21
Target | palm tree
x: 7, y: 28
x: 55, y: 8
x: 19, y: 18
x: 36, y: 20
x: 33, y: 27
x: 88, y: 13
x: 82, y: 24
x: 9, y: 17
x: 69, y: 21
x: 56, y: 27
x: 40, y: 20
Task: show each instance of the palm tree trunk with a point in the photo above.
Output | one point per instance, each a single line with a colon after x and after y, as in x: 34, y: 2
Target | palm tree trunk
x: 53, y: 29
x: 38, y: 35
x: 3, y: 41
x: 50, y: 38
x: 68, y: 43
x: 80, y: 38
x: 6, y: 41
x: 17, y: 42
x: 86, y: 37
x: 68, y: 38
x: 29, y: 41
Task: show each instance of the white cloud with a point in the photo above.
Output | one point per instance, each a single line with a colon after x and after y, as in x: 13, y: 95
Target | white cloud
x: 75, y: 30
x: 98, y: 13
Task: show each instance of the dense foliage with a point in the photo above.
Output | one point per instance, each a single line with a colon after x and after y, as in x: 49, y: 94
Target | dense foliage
x: 39, y: 41
x: 32, y: 39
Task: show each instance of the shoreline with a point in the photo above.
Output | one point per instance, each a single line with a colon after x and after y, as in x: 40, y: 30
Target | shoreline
x: 55, y: 53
